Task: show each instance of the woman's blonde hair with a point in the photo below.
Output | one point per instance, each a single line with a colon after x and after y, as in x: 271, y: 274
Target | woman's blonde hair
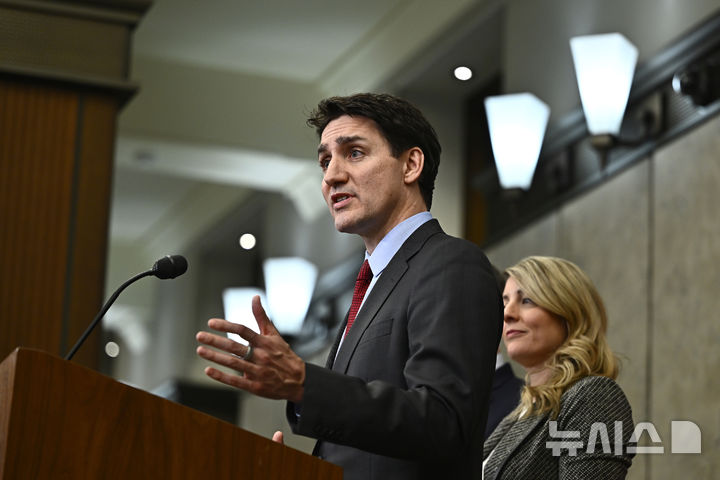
x: 565, y: 291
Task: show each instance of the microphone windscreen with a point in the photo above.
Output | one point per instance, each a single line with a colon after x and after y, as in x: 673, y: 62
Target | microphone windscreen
x: 170, y: 266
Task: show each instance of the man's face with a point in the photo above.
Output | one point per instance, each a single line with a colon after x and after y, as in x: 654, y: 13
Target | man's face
x: 362, y: 182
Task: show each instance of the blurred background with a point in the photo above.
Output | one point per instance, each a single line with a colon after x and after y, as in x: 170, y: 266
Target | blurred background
x: 213, y: 146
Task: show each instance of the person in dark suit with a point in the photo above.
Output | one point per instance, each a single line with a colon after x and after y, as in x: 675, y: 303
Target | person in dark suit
x: 573, y: 420
x: 404, y: 393
x: 505, y: 393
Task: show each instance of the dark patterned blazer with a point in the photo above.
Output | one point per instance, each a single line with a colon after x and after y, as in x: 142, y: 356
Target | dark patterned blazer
x: 407, y: 395
x: 523, y: 449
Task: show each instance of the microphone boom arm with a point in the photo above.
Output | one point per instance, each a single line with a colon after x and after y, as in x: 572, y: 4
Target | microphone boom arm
x: 104, y: 309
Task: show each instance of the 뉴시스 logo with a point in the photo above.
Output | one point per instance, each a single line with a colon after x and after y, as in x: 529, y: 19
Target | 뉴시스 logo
x: 685, y: 438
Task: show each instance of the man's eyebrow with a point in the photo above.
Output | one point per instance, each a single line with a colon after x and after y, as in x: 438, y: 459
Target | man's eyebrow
x: 322, y: 148
x: 344, y: 140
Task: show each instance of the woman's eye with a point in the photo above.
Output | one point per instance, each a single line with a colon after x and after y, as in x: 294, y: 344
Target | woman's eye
x: 527, y: 301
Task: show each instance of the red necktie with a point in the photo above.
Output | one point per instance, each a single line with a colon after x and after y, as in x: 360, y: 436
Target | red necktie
x: 361, y: 285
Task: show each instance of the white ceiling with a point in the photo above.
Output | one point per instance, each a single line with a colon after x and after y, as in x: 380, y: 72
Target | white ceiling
x: 275, y: 38
x: 223, y: 84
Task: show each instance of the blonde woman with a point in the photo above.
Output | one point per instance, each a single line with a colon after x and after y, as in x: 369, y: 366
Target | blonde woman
x: 573, y: 420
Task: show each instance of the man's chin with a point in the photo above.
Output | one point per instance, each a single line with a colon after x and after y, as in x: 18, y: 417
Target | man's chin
x: 344, y: 225
x: 342, y: 228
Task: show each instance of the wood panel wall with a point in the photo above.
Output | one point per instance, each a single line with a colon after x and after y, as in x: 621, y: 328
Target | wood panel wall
x: 56, y: 149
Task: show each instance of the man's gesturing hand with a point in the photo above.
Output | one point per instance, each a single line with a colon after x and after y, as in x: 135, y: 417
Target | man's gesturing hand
x: 270, y: 369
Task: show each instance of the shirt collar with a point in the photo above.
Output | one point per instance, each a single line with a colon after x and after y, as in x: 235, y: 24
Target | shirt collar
x: 391, y: 243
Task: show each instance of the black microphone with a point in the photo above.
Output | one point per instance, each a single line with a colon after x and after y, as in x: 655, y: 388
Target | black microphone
x: 170, y: 266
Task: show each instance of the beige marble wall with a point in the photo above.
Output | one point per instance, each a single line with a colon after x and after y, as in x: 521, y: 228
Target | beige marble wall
x: 605, y: 232
x: 539, y: 238
x: 686, y: 330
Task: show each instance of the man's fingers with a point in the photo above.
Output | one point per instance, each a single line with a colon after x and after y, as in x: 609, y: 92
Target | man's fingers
x: 278, y: 437
x: 222, y: 325
x: 248, y: 382
x: 230, y: 361
x: 244, y: 332
x: 266, y: 326
x: 222, y: 343
x: 232, y: 380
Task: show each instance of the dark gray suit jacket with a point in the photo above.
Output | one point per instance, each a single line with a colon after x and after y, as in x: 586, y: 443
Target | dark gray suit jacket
x: 407, y: 395
x: 520, y: 446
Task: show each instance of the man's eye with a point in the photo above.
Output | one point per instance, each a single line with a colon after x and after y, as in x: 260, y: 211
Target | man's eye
x: 324, y: 162
x: 355, y: 153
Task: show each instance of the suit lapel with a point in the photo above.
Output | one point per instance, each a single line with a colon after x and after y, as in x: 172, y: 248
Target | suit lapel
x: 333, y: 351
x: 509, y: 442
x: 387, y: 282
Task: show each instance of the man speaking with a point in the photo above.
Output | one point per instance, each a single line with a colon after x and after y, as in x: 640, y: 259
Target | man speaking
x: 405, y: 391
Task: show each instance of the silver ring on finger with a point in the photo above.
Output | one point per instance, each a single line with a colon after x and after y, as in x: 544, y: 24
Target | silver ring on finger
x: 248, y: 353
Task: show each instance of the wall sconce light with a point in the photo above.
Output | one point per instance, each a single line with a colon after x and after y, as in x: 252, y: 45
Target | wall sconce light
x: 517, y: 125
x: 605, y: 66
x: 289, y: 285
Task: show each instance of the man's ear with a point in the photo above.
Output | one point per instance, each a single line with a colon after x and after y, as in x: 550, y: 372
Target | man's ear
x: 414, y: 162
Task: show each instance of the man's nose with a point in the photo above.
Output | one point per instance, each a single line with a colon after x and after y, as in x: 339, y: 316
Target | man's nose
x: 334, y: 173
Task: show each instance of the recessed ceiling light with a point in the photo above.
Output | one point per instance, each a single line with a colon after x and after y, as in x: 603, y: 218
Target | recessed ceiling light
x: 112, y: 349
x: 247, y: 241
x: 463, y: 73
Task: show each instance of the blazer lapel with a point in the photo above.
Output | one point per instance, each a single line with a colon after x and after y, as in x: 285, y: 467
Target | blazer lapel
x: 333, y: 351
x: 515, y: 433
x: 381, y: 290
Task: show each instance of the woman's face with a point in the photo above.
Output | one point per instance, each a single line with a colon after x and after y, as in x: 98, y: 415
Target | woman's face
x: 531, y: 333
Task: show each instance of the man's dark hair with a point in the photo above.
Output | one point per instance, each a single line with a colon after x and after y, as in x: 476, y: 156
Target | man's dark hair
x: 401, y: 123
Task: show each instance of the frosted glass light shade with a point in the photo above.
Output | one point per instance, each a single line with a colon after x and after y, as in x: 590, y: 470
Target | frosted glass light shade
x: 289, y: 285
x: 517, y: 125
x: 237, y: 303
x: 604, y: 66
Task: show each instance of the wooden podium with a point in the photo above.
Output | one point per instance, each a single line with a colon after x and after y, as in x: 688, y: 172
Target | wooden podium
x: 61, y: 420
